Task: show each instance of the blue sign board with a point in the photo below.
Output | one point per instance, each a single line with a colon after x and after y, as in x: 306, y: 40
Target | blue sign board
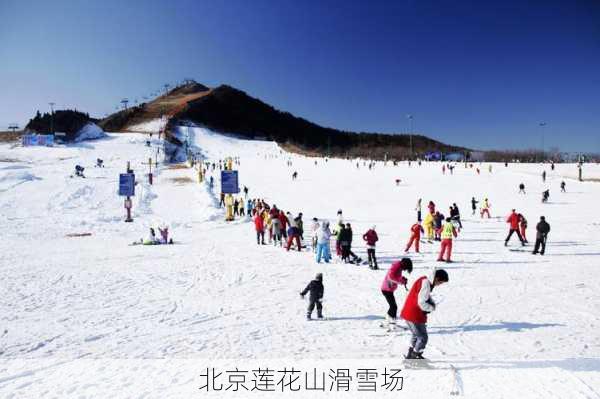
x: 38, y: 139
x: 126, y: 184
x: 229, y: 182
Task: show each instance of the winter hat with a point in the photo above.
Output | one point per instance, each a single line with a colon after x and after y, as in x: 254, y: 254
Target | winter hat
x: 315, y: 219
x: 441, y: 275
x: 542, y: 218
x: 319, y: 277
x: 339, y: 212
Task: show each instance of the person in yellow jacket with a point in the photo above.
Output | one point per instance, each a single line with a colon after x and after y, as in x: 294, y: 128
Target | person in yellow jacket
x: 485, y: 208
x: 428, y: 224
x: 448, y: 230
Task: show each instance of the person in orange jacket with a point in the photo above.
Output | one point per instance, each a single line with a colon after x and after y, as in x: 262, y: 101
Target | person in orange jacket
x: 415, y: 236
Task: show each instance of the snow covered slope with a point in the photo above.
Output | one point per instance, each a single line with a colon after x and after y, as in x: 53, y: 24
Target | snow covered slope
x: 92, y: 316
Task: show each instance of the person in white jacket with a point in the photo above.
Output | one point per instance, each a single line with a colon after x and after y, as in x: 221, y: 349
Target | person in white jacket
x: 323, y: 236
x: 314, y: 228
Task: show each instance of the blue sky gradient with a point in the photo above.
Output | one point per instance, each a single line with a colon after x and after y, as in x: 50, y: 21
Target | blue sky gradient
x: 482, y: 74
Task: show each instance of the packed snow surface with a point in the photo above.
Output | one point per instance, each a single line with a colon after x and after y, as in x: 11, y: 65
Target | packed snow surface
x: 86, y: 314
x: 151, y: 126
x: 90, y: 131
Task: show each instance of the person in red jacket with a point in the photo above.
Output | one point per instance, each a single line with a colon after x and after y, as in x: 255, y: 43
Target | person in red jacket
x: 284, y: 222
x: 523, y: 227
x: 513, y: 220
x: 415, y: 236
x: 259, y: 225
x: 417, y: 305
x: 392, y: 280
x: 371, y: 238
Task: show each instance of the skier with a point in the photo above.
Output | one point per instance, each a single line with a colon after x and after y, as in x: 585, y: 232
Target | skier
x: 474, y: 203
x: 323, y: 236
x: 79, y: 171
x: 316, y: 289
x: 545, y: 195
x: 284, y: 222
x: 431, y: 207
x: 294, y: 175
x: 521, y: 188
x: 392, y: 280
x: 428, y: 223
x: 276, y: 228
x: 417, y: 306
x: 438, y: 221
x: 562, y: 187
x: 314, y: 228
x: 542, y: 230
x: 523, y: 227
x: 293, y: 233
x: 245, y: 192
x: 222, y: 201
x: 249, y: 207
x: 485, y: 208
x: 336, y: 233
x: 241, y: 206
x: 211, y: 182
x: 355, y: 259
x: 345, y: 239
x: 259, y: 226
x: 447, y: 232
x: 544, y: 176
x: 99, y: 163
x: 455, y: 215
x: 151, y: 240
x: 513, y: 220
x: 418, y: 209
x: 415, y: 237
x: 235, y: 208
x: 371, y: 238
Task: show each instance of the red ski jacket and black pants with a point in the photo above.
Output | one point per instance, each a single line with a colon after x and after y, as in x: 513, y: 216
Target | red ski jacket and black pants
x: 416, y: 307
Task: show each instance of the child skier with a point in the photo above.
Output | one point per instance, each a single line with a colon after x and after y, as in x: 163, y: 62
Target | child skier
x: 390, y: 283
x: 316, y: 289
x: 415, y: 237
x: 371, y: 238
x: 416, y: 307
x: 448, y: 230
x: 523, y: 227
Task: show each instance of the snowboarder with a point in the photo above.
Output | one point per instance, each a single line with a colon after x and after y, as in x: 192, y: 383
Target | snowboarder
x: 323, y: 236
x: 474, y: 203
x: 371, y: 238
x: 513, y: 220
x: 522, y: 188
x: 392, y: 280
x: 417, y: 306
x: 415, y: 236
x: 448, y: 231
x: 316, y: 289
x: 563, y: 187
x: 542, y: 230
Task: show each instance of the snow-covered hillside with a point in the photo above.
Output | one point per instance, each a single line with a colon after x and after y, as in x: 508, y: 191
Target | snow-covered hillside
x: 92, y: 316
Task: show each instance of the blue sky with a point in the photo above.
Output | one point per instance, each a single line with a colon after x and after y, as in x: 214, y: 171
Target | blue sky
x: 482, y: 74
